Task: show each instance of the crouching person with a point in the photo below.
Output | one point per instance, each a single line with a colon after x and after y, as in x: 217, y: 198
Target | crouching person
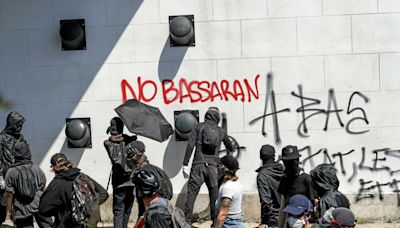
x: 159, y: 211
x: 25, y: 183
x: 69, y: 186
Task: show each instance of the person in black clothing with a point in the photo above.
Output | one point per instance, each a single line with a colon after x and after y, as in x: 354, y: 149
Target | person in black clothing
x: 137, y: 150
x: 21, y: 208
x: 56, y: 199
x: 156, y: 215
x: 293, y: 182
x: 122, y: 167
x: 8, y: 137
x: 268, y: 178
x: 204, y: 164
x: 326, y: 185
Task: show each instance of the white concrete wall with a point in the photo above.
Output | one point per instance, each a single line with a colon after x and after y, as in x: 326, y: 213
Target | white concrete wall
x: 342, y: 45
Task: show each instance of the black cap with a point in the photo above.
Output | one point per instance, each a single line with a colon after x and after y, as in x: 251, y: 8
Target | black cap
x: 343, y: 217
x: 57, y: 158
x: 230, y: 162
x: 137, y: 145
x: 267, y: 152
x: 290, y: 153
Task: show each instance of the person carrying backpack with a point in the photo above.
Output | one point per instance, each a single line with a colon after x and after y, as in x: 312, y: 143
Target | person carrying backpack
x: 68, y: 187
x: 160, y: 213
x: 136, y: 152
x: 123, y: 188
x: 206, y: 137
x: 25, y: 183
x: 326, y: 185
x: 8, y: 137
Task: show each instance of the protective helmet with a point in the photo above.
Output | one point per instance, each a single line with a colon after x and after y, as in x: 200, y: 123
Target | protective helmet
x: 147, y: 181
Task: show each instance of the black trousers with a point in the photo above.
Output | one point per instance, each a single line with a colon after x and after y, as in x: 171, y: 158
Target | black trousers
x: 43, y: 222
x: 3, y: 208
x: 199, y: 174
x: 123, y: 198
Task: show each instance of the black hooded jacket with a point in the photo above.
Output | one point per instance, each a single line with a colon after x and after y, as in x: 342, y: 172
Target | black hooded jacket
x: 268, y: 178
x: 56, y: 199
x: 117, y: 150
x: 8, y: 137
x: 326, y: 184
x: 211, y: 118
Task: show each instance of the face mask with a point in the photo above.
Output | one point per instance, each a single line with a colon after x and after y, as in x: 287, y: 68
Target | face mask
x: 292, y: 167
x: 296, y: 222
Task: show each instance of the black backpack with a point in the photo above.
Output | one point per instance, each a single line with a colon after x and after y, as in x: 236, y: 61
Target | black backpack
x: 208, y: 138
x: 26, y: 185
x: 176, y: 215
x: 85, y: 200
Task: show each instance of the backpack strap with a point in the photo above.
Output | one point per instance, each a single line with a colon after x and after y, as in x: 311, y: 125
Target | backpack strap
x: 171, y: 211
x: 200, y: 143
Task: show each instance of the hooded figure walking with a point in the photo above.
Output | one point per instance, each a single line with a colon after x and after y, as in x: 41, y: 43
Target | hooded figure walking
x: 268, y: 178
x: 8, y: 138
x: 206, y: 137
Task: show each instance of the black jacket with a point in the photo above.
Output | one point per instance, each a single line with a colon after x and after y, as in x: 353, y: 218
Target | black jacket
x: 116, y: 147
x: 56, y: 199
x: 8, y: 137
x: 326, y: 184
x: 268, y: 178
x: 211, y: 118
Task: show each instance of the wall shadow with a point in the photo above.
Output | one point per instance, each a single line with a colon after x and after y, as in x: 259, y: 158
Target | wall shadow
x: 173, y: 156
x: 170, y: 61
x: 74, y: 82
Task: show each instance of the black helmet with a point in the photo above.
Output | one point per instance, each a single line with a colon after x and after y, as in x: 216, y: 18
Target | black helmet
x: 147, y: 181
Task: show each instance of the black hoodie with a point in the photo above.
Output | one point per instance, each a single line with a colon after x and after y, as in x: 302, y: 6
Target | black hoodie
x: 326, y: 184
x: 8, y: 137
x: 211, y: 118
x: 56, y: 199
x: 268, y: 178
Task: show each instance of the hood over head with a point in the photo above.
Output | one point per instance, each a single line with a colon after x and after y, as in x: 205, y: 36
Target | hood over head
x: 213, y: 115
x: 324, y: 178
x: 14, y: 123
x: 116, y: 126
x: 22, y: 151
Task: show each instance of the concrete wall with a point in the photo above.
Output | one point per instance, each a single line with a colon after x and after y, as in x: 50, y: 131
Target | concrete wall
x: 342, y: 46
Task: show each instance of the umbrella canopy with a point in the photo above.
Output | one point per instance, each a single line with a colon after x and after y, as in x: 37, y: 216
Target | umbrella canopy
x: 144, y: 120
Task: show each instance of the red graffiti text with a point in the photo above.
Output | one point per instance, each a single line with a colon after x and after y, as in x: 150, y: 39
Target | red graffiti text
x: 193, y: 91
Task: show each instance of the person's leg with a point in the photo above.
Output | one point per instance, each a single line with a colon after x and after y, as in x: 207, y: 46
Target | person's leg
x: 43, y: 222
x: 196, y: 179
x: 211, y: 180
x: 233, y: 223
x: 3, y: 209
x: 128, y: 202
x: 118, y: 207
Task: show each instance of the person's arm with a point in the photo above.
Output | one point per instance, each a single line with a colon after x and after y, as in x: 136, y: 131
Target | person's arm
x: 10, y: 211
x: 190, y: 145
x: 282, y: 215
x: 264, y: 193
x: 227, y: 142
x: 223, y: 212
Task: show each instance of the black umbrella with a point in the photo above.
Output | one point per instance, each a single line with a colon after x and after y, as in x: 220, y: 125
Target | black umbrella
x: 144, y: 120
